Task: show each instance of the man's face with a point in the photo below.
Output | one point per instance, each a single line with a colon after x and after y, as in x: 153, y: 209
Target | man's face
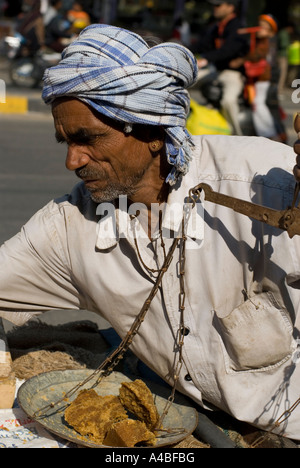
x: 110, y: 162
x: 223, y: 10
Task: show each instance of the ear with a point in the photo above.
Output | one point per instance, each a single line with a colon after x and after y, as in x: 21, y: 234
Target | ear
x: 153, y: 135
x: 156, y: 139
x: 156, y: 145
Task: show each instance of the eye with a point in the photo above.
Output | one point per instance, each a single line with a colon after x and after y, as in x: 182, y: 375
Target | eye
x: 87, y: 140
x: 77, y: 139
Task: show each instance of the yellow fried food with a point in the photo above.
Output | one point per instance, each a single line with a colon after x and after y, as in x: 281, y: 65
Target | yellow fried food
x: 92, y: 415
x: 104, y: 419
x: 137, y: 398
x: 129, y: 433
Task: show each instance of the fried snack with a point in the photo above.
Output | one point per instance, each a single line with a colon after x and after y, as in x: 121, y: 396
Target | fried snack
x: 92, y: 415
x: 104, y: 419
x: 137, y: 398
x: 129, y: 433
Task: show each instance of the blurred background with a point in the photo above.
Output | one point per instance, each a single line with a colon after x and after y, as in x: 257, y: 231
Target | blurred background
x: 129, y: 13
x: 184, y: 21
x: 34, y: 32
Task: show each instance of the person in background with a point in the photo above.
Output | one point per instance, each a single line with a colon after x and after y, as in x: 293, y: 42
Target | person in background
x: 50, y: 12
x: 182, y: 32
x: 56, y: 26
x: 146, y: 16
x: 220, y: 45
x: 31, y: 26
x: 78, y: 17
x: 44, y: 6
x: 262, y: 73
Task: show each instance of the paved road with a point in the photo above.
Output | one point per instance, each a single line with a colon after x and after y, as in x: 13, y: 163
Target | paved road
x: 32, y: 169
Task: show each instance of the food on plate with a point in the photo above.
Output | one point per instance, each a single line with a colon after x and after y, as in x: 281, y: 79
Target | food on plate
x: 105, y: 420
x: 92, y: 415
x: 129, y: 433
x: 137, y: 398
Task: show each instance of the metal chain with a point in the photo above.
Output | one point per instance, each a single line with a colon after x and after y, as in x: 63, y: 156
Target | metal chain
x: 194, y: 196
x: 152, y: 270
x: 181, y: 329
x: 108, y: 365
x: 285, y: 415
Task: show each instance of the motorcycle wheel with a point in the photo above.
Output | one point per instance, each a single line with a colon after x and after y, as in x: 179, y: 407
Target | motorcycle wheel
x: 22, y: 73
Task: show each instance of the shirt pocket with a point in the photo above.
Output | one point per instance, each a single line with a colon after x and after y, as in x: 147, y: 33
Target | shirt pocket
x: 256, y: 335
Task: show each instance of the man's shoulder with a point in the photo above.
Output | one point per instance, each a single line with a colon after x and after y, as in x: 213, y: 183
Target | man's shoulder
x: 75, y: 204
x: 243, y: 158
x: 241, y: 146
x: 77, y: 196
x: 72, y: 212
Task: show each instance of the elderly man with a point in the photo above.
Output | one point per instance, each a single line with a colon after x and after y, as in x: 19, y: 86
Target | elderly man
x: 226, y: 309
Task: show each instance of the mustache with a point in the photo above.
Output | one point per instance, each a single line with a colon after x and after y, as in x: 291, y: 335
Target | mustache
x: 90, y: 173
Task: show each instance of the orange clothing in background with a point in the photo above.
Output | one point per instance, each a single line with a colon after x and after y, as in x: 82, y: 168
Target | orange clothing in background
x: 257, y: 59
x: 74, y: 15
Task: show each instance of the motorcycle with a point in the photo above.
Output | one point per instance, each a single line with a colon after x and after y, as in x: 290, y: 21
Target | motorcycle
x: 27, y: 69
x: 208, y: 92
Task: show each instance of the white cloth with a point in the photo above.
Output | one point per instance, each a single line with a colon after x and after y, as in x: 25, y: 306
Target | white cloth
x: 240, y: 354
x: 44, y: 6
x: 49, y: 14
x: 233, y: 84
x: 262, y: 118
x: 17, y: 430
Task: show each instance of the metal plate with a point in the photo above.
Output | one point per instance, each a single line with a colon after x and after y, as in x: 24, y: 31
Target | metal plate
x: 51, y: 387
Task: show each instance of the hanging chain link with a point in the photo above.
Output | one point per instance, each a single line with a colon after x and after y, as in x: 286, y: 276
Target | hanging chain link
x: 285, y: 415
x: 194, y: 196
x: 181, y: 329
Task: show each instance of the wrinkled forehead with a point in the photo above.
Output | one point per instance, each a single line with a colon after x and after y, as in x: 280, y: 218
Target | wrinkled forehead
x: 73, y: 113
x: 74, y: 117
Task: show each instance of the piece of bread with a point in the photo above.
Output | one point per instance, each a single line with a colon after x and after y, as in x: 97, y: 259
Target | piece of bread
x: 137, y: 398
x: 129, y: 433
x: 92, y: 415
x: 104, y: 419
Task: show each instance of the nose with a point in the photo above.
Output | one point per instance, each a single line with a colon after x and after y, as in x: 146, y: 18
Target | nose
x: 76, y: 157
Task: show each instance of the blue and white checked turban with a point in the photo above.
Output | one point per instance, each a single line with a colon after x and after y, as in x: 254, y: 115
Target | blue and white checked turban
x: 115, y: 72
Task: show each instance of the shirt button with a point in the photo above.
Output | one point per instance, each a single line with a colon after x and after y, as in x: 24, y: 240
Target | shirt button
x: 188, y: 378
x: 185, y: 331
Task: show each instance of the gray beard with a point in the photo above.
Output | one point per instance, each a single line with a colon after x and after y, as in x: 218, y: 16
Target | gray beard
x: 113, y: 190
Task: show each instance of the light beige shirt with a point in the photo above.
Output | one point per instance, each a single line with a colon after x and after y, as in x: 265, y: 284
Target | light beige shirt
x: 242, y: 280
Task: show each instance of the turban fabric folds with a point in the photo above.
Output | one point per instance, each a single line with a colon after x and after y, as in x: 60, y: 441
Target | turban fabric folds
x: 116, y: 73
